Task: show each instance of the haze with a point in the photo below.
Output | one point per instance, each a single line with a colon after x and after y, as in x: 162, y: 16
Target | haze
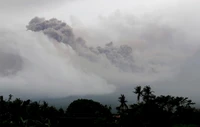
x: 113, y: 46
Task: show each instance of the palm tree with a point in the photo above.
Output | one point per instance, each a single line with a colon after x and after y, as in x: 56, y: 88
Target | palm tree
x: 10, y: 97
x: 123, y: 106
x: 147, y: 93
x: 138, y: 91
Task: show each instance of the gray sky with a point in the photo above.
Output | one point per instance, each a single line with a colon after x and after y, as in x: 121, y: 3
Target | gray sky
x: 162, y: 33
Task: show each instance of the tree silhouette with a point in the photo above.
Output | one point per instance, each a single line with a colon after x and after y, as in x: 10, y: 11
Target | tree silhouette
x: 10, y: 97
x: 147, y: 94
x: 85, y: 107
x: 123, y: 106
x: 169, y: 110
x: 138, y: 91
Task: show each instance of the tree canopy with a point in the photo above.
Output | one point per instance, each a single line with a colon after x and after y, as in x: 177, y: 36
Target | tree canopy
x: 149, y: 111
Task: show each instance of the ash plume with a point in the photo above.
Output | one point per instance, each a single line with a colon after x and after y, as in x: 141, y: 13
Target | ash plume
x: 120, y: 56
x: 53, y: 28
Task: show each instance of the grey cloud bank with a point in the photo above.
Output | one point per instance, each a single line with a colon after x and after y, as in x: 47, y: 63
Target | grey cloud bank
x: 55, y: 59
x: 42, y: 69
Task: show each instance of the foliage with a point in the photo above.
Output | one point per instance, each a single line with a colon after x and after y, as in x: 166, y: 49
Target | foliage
x: 149, y: 111
x: 156, y: 111
x: 182, y: 125
x: 84, y: 107
x: 123, y: 106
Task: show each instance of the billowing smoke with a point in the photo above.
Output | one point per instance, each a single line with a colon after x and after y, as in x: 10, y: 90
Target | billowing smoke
x: 157, y: 61
x: 53, y: 28
x: 120, y: 56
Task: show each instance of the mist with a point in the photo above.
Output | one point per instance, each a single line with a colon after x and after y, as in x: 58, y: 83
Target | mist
x: 56, y: 54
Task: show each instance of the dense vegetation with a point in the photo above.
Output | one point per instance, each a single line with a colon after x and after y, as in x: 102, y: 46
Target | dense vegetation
x: 149, y: 111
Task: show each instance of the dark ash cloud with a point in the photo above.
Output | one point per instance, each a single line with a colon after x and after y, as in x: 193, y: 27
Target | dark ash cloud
x: 120, y: 56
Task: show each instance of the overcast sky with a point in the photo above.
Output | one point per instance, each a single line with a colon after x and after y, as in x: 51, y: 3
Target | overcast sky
x: 163, y: 34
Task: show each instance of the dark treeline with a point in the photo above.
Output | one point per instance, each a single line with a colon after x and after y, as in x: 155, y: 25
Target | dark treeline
x: 149, y: 111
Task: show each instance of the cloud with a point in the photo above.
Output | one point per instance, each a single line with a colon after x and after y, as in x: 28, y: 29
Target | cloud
x: 150, y: 48
x: 65, y: 64
x: 24, y: 4
x: 186, y: 82
x: 19, y: 12
x: 116, y: 51
x: 157, y: 43
x: 121, y: 56
x: 44, y: 69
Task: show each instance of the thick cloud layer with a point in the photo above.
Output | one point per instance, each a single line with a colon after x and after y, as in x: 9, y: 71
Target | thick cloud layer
x: 37, y: 67
x: 91, y: 55
x: 61, y: 63
x: 10, y: 63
